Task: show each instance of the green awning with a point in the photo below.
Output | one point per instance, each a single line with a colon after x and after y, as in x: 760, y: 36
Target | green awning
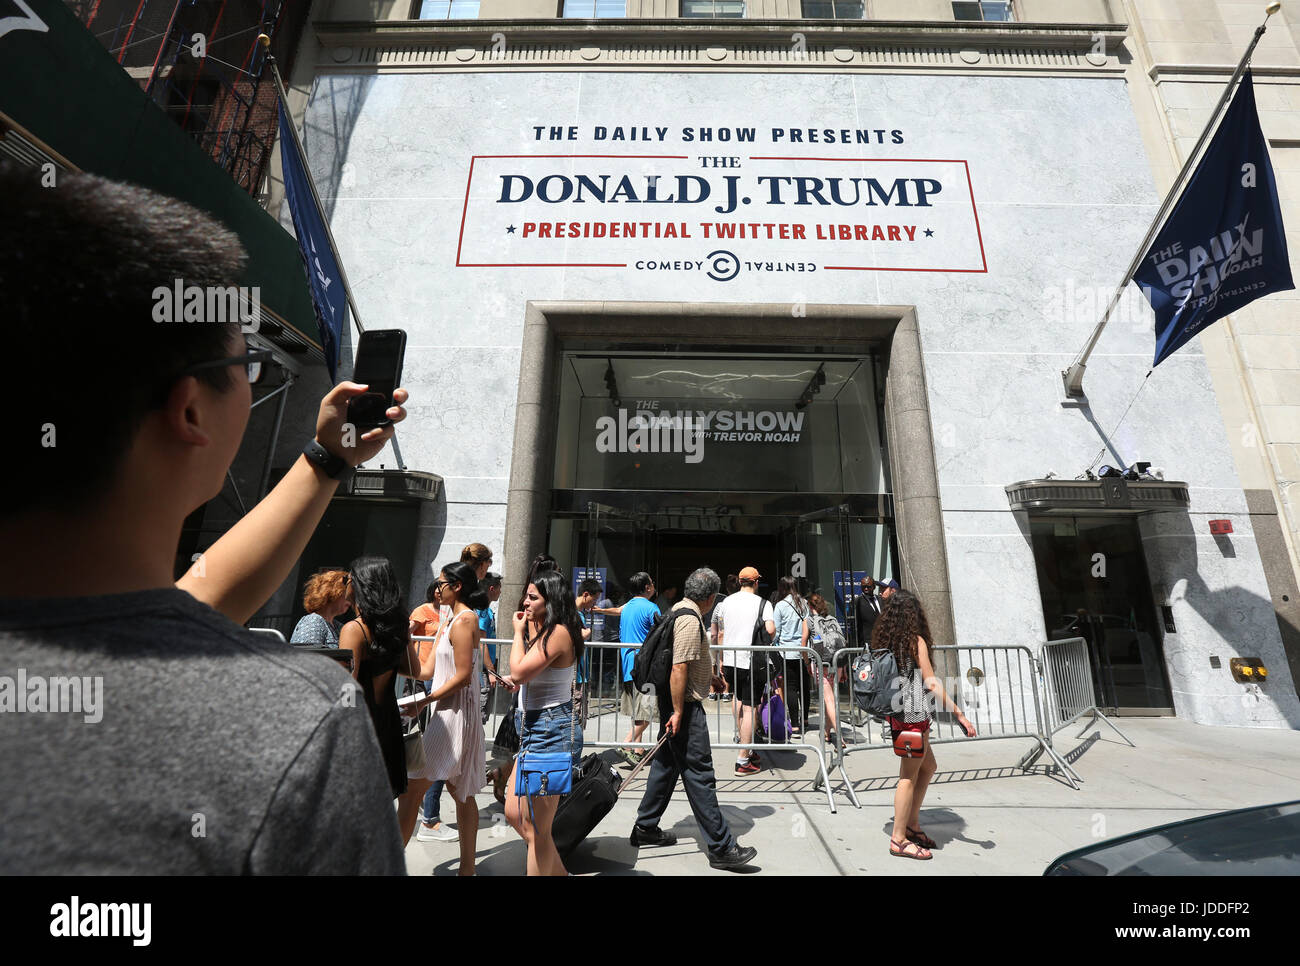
x: 63, y: 96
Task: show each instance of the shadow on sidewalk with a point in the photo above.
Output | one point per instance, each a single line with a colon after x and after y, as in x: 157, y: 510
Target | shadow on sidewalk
x: 944, y: 826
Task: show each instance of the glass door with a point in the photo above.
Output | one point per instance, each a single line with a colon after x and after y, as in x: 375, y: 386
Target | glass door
x: 1092, y: 578
x: 817, y: 548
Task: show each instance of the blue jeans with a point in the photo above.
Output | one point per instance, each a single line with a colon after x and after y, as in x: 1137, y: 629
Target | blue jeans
x: 432, y: 803
x: 686, y: 755
x: 548, y: 730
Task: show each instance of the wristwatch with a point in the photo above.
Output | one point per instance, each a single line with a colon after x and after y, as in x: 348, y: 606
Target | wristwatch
x: 333, y: 466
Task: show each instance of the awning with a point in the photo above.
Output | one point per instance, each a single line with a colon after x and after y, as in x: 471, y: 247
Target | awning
x: 63, y: 98
x: 398, y: 485
x: 1112, y: 496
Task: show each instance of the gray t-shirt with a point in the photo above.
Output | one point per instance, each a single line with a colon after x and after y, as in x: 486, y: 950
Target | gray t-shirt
x: 210, y: 749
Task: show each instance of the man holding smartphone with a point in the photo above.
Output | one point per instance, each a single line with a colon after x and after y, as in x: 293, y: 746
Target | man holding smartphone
x: 213, y: 749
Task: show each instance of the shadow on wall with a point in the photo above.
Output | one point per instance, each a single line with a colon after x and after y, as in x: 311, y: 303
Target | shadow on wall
x: 1227, y: 609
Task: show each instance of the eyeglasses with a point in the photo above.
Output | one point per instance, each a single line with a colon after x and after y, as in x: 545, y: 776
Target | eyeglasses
x: 252, y: 361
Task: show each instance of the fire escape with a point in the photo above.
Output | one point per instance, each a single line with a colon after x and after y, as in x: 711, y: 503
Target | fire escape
x: 201, y: 62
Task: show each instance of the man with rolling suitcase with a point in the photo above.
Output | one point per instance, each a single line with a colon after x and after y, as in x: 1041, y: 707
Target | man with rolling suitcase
x: 685, y: 722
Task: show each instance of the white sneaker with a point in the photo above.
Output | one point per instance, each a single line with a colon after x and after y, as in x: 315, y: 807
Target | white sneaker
x: 436, y: 833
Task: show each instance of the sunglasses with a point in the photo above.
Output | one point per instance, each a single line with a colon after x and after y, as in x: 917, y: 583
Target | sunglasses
x: 253, y: 362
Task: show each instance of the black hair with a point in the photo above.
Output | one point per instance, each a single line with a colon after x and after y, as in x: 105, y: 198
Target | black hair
x: 79, y: 265
x: 640, y: 583
x: 732, y: 584
x: 789, y: 587
x: 471, y: 595
x: 542, y: 562
x: 561, y: 611
x: 431, y: 592
x: 590, y: 586
x: 490, y: 580
x: 378, y: 602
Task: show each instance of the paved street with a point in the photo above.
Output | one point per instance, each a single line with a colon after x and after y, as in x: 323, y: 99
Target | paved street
x: 988, y: 817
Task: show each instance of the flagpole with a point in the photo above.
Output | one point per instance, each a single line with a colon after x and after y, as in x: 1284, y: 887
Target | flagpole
x: 265, y: 42
x: 1072, y: 378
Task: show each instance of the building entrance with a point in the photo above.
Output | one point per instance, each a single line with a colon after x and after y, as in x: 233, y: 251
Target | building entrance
x: 1092, y: 577
x: 766, y: 458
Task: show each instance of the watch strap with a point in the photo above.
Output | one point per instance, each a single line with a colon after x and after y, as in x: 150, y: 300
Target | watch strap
x: 332, y: 465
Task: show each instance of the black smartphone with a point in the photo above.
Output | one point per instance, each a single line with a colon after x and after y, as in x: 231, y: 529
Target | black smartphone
x: 380, y: 353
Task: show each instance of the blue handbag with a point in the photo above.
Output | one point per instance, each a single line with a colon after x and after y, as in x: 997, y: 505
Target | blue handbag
x: 545, y: 772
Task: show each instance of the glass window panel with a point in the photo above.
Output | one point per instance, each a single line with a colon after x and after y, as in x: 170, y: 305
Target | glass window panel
x: 730, y: 8
x: 818, y: 9
x: 449, y: 9
x: 966, y: 11
x: 1000, y: 11
x: 851, y: 10
x: 611, y: 8
x: 697, y: 8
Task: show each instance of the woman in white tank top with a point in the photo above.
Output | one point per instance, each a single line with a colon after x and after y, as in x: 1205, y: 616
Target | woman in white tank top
x: 453, y: 738
x: 547, y: 647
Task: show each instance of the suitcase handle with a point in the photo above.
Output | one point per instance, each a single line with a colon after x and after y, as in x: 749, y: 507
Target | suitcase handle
x: 642, y: 763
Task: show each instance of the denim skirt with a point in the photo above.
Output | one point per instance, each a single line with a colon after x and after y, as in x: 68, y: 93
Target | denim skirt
x: 547, y: 730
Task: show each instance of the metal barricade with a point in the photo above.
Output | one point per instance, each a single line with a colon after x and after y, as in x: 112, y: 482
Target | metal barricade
x: 1000, y: 697
x: 605, y: 703
x: 611, y: 705
x: 1068, y: 687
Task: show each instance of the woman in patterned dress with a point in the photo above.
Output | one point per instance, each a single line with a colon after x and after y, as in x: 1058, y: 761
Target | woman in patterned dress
x: 453, y: 738
x: 903, y: 629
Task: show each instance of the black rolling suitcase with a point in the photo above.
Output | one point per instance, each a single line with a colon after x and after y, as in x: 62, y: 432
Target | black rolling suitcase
x: 595, y: 790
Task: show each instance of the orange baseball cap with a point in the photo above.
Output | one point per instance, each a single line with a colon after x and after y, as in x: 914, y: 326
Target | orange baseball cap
x: 749, y: 573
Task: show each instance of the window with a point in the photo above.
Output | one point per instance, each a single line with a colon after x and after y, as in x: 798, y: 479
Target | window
x: 595, y: 9
x: 989, y: 10
x: 832, y: 9
x: 448, y: 10
x: 713, y: 8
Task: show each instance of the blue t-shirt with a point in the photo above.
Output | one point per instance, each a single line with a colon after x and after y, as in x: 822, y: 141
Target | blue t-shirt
x: 634, y: 624
x: 489, y: 625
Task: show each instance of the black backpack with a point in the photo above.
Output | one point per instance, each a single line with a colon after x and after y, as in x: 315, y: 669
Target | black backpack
x: 653, y: 664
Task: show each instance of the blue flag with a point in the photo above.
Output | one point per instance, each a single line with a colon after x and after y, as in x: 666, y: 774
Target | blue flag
x: 323, y: 275
x: 1223, y: 245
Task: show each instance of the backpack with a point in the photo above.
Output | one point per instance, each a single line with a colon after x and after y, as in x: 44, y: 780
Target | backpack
x: 877, y: 683
x: 774, y: 721
x: 653, y: 664
x: 831, y: 638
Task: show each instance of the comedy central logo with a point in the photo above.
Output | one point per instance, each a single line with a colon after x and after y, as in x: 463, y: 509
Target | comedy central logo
x: 721, y: 266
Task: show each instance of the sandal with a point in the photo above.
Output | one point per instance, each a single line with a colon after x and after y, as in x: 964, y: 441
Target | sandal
x: 899, y: 850
x: 920, y: 838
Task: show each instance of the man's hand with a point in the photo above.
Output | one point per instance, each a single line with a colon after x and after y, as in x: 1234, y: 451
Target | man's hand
x: 341, y: 438
x: 674, y: 723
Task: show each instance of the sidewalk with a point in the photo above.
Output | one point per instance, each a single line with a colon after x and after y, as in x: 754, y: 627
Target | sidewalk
x: 988, y: 817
